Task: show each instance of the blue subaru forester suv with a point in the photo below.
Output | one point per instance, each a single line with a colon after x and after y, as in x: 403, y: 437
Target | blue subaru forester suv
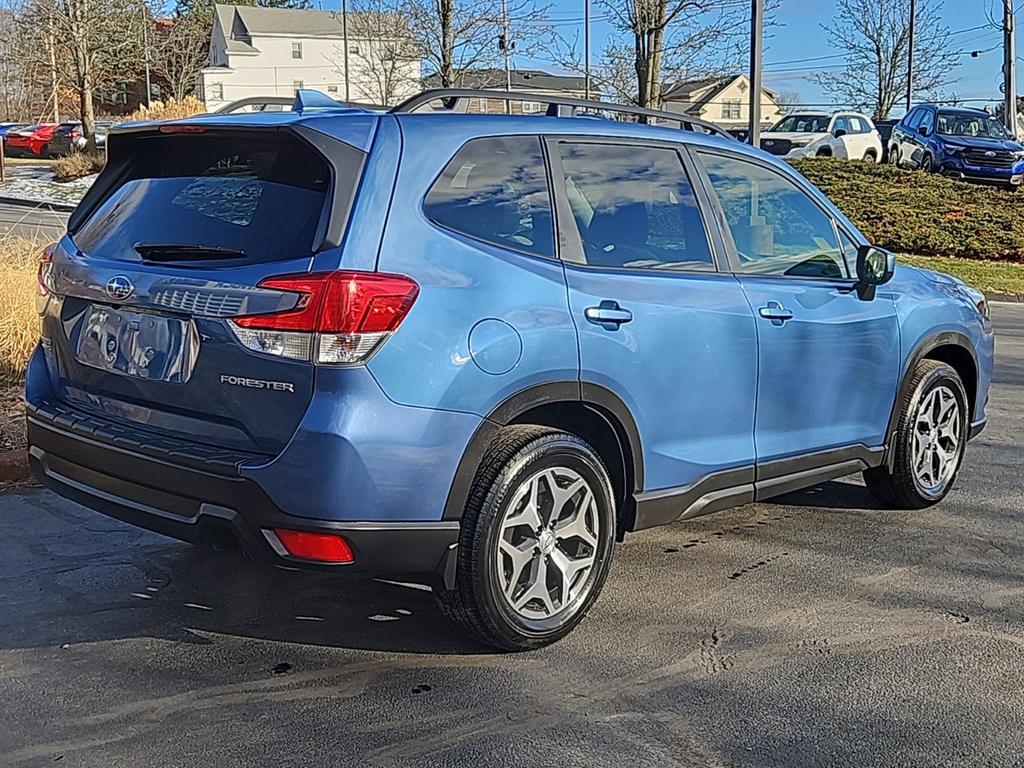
x: 479, y: 349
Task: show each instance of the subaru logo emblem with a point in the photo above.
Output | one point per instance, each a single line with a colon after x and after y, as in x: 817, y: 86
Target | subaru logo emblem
x: 119, y: 287
x: 769, y: 143
x: 990, y: 153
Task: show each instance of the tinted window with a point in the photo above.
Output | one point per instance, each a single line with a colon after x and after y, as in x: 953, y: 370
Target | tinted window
x: 842, y: 123
x: 777, y: 227
x: 257, y: 195
x: 634, y: 207
x: 496, y: 190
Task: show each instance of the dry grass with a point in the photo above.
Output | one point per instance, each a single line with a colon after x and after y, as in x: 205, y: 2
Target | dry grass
x: 169, y: 110
x: 19, y: 322
x: 78, y: 164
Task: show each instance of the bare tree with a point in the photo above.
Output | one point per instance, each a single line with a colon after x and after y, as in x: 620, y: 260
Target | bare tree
x: 87, y: 46
x: 657, y: 43
x: 458, y: 36
x: 382, y: 52
x: 182, y: 52
x: 875, y: 36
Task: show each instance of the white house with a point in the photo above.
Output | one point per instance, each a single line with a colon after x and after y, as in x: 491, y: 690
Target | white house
x: 722, y: 100
x: 257, y: 51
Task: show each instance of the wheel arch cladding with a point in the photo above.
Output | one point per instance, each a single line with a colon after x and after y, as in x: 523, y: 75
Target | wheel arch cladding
x: 592, y: 413
x: 951, y: 348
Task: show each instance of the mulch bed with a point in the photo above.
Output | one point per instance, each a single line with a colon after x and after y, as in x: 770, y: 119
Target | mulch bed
x: 14, y: 469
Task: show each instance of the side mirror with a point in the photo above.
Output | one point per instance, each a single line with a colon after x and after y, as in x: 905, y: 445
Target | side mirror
x: 839, y: 133
x: 923, y: 130
x: 875, y: 266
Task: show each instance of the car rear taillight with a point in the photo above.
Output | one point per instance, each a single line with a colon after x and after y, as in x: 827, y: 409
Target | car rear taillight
x: 340, y: 318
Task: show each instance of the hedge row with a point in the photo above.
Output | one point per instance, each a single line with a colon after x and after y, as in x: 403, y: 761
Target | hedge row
x: 924, y: 214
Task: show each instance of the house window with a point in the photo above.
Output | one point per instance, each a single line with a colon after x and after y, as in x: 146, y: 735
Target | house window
x: 531, y: 107
x: 297, y: 50
x: 353, y: 49
x: 332, y: 89
x: 731, y: 109
x: 297, y: 85
x: 217, y: 91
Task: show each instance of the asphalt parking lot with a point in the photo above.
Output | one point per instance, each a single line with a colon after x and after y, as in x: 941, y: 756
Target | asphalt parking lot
x: 815, y: 630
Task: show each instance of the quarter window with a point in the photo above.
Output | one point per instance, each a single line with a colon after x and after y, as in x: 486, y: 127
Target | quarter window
x: 495, y: 189
x: 634, y: 207
x: 778, y: 228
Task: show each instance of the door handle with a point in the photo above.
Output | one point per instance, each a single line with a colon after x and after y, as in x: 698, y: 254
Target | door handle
x: 775, y: 312
x: 608, y: 314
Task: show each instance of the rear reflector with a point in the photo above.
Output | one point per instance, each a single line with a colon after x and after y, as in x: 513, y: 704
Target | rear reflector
x: 339, y: 318
x: 319, y: 547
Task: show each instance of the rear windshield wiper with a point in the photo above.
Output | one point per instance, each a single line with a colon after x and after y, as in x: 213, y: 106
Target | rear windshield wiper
x: 179, y: 252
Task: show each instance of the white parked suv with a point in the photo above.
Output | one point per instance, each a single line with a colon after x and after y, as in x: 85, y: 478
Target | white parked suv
x: 848, y: 135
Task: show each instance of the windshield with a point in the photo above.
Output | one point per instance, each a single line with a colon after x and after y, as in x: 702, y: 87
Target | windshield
x: 803, y: 124
x: 961, y: 124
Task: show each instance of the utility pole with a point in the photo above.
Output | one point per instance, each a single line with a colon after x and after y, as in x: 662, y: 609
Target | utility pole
x: 756, y: 66
x: 910, y: 54
x: 1010, y: 67
x: 344, y: 42
x: 586, y: 49
x: 505, y: 45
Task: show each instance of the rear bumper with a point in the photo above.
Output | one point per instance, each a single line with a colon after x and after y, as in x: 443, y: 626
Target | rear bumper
x: 193, y: 505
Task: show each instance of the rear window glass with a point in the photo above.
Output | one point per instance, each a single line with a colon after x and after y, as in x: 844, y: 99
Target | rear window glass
x: 495, y: 189
x: 258, y: 197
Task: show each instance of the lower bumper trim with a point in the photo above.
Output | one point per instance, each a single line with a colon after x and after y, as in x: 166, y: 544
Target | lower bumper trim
x: 202, y: 508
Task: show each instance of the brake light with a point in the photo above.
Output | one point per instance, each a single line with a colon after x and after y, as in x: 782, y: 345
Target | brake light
x: 182, y: 129
x: 320, y: 547
x: 340, y: 318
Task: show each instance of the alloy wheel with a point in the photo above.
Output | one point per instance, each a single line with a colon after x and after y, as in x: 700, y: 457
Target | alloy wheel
x: 936, y: 437
x: 547, y: 544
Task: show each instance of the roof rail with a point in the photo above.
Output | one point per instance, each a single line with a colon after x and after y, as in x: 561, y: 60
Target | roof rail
x: 304, y: 99
x: 558, y: 106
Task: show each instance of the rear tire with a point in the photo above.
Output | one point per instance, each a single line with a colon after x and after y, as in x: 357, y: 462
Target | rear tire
x: 894, y: 156
x: 536, y: 540
x: 929, y: 443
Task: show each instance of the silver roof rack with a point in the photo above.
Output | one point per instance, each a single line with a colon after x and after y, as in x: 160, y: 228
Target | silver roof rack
x: 455, y: 100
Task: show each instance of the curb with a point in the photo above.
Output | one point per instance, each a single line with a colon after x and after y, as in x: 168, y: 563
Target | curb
x: 1013, y: 298
x: 14, y: 469
x: 20, y: 201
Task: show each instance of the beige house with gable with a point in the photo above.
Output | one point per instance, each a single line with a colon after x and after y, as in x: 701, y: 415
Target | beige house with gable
x: 722, y: 100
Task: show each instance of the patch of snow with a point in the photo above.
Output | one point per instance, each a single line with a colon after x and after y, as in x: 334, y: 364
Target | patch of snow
x: 36, y: 184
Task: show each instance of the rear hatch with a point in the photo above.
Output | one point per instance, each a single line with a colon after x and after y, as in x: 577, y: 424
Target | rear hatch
x: 171, y: 242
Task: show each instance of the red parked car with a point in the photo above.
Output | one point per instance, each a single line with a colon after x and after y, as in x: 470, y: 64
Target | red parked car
x: 32, y: 140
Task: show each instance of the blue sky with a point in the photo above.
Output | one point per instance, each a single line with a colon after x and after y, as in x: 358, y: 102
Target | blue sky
x: 801, y: 37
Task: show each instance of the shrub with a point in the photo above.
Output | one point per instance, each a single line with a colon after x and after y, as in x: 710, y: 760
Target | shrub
x: 924, y: 214
x: 172, y: 109
x: 78, y: 164
x: 19, y: 322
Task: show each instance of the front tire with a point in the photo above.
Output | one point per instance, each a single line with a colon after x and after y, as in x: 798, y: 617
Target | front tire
x: 871, y: 156
x: 930, y: 439
x: 928, y: 164
x: 536, y: 540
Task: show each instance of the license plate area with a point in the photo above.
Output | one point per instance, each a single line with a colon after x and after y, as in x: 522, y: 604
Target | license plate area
x: 139, y: 344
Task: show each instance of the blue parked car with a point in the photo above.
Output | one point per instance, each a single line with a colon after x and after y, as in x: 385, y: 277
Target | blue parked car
x: 966, y: 144
x: 480, y: 349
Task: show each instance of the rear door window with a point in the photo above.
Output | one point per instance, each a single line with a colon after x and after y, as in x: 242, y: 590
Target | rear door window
x: 495, y: 189
x: 255, y: 197
x: 634, y: 207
